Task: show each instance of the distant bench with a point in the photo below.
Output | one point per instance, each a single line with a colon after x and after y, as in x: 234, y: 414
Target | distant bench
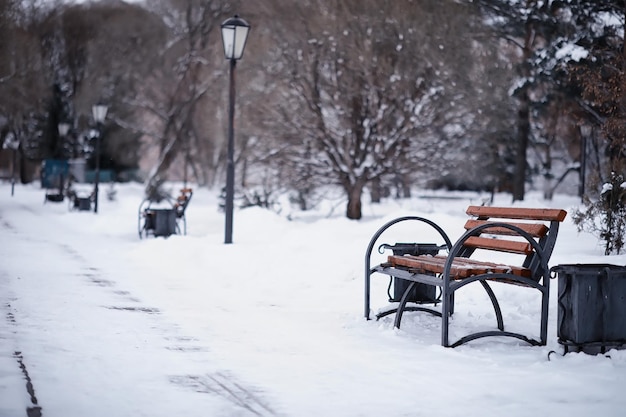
x: 528, y: 232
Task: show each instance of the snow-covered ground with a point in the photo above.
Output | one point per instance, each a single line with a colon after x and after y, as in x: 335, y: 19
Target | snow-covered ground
x: 106, y: 324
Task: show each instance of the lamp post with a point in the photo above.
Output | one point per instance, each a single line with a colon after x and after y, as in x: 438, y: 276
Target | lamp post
x: 234, y: 35
x: 12, y: 143
x: 63, y: 128
x: 99, y: 112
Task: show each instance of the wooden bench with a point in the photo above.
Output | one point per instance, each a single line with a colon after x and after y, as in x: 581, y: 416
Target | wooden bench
x: 528, y: 232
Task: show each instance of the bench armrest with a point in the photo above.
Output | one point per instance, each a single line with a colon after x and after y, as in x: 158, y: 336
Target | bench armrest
x: 374, y: 239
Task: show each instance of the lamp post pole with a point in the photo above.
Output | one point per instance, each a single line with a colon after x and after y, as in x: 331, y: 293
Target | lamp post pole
x: 63, y: 129
x: 234, y: 35
x: 97, y: 176
x: 13, y: 144
x: 230, y: 164
x: 13, y: 171
x: 99, y: 114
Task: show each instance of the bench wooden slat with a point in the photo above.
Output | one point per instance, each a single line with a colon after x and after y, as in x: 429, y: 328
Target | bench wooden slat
x: 515, y: 270
x: 502, y: 245
x: 534, y: 229
x: 461, y: 267
x: 517, y: 213
x: 430, y: 264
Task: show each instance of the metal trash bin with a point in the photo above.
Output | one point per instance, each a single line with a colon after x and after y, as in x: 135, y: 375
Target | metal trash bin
x: 591, y: 315
x: 163, y: 222
x: 421, y: 293
x: 82, y: 203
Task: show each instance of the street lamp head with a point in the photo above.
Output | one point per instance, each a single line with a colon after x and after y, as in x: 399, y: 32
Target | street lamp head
x: 234, y: 35
x: 63, y: 128
x: 99, y: 112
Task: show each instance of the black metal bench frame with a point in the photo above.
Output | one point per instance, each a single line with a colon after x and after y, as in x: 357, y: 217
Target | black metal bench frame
x: 535, y: 241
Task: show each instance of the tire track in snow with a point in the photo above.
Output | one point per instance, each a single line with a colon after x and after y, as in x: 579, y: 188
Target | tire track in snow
x: 34, y: 409
x: 227, y: 387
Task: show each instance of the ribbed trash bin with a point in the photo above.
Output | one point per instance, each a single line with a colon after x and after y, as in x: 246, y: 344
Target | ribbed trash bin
x: 82, y: 203
x: 164, y: 222
x: 591, y: 307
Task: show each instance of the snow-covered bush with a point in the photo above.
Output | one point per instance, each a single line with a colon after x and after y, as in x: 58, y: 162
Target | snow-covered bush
x: 606, y: 217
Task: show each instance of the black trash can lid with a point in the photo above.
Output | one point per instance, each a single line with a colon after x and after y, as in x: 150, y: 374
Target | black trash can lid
x: 586, y: 268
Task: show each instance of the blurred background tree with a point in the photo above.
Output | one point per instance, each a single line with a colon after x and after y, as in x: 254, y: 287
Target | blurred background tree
x: 373, y: 98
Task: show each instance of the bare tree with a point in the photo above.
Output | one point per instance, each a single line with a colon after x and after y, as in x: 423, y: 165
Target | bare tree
x: 22, y: 83
x: 370, y: 91
x: 175, y: 94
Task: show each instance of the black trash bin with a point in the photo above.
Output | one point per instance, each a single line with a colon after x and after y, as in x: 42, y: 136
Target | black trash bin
x: 82, y: 203
x: 591, y: 315
x: 163, y: 222
x: 421, y: 293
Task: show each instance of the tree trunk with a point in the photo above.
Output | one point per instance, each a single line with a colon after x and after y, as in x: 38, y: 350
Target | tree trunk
x: 406, y: 186
x: 158, y: 176
x: 354, y: 192
x: 618, y: 144
x: 523, y: 126
x: 27, y: 169
x: 375, y: 191
x: 523, y: 117
x: 548, y: 187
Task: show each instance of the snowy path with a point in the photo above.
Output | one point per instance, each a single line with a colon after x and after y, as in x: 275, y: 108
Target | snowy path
x: 112, y: 334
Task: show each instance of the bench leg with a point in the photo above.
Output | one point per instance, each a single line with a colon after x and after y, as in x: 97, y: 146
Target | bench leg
x: 368, y: 276
x: 448, y: 310
x: 447, y: 306
x: 402, y: 304
x: 545, y: 297
x: 496, y: 305
x: 402, y: 307
x: 451, y: 305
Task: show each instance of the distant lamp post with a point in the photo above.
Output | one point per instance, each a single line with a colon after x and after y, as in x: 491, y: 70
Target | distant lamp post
x: 63, y: 129
x: 99, y: 114
x: 11, y: 142
x: 234, y: 35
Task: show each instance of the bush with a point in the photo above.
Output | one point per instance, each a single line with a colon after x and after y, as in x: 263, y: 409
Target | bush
x: 606, y: 217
